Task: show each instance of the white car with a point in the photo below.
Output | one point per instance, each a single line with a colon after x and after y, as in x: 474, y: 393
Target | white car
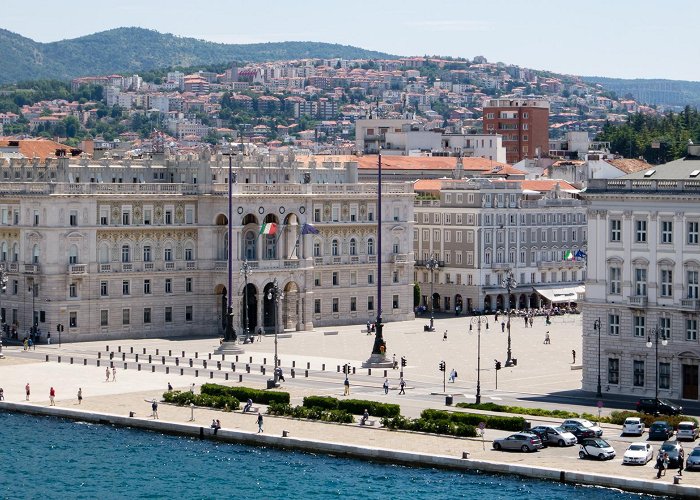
x: 687, y: 430
x: 638, y: 454
x: 596, y: 448
x: 633, y: 425
x: 585, y: 423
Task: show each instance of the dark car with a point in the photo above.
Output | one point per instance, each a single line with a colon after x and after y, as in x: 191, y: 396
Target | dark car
x: 673, y: 449
x: 658, y: 406
x: 579, y: 431
x: 660, y: 431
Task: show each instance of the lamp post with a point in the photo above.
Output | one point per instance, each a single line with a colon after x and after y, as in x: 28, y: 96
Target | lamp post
x: 230, y: 333
x: 509, y: 283
x: 431, y: 265
x: 599, y: 391
x: 245, y: 272
x: 275, y: 294
x: 659, y: 334
x: 3, y: 287
x: 34, y: 289
x: 477, y: 320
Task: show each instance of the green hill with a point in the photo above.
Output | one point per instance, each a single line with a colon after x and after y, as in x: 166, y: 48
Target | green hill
x: 124, y: 50
x: 652, y: 91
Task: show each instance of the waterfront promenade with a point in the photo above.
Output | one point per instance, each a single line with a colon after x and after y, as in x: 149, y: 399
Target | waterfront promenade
x: 541, y: 369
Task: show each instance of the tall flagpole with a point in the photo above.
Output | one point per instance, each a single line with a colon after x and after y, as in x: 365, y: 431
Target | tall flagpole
x: 379, y: 344
x: 230, y: 335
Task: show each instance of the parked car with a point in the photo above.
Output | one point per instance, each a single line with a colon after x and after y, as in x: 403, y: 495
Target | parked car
x: 523, y: 441
x: 634, y: 426
x: 673, y: 448
x: 692, y: 461
x: 638, y: 454
x: 579, y: 431
x: 596, y: 448
x: 587, y: 424
x: 554, y: 435
x: 658, y: 406
x: 660, y: 431
x: 687, y: 430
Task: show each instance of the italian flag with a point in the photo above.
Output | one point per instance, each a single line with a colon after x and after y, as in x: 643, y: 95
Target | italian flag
x: 269, y: 229
x: 568, y: 255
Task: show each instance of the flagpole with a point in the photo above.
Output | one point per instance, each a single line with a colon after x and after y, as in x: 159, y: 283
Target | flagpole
x: 379, y: 343
x: 230, y: 334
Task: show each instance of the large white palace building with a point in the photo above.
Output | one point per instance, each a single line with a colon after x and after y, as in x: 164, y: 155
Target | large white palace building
x: 138, y: 248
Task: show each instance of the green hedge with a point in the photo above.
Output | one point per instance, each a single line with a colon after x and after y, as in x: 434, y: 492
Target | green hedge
x: 187, y: 398
x: 473, y: 419
x: 353, y: 406
x: 310, y: 413
x: 433, y: 426
x: 519, y: 410
x: 243, y: 393
x: 618, y: 417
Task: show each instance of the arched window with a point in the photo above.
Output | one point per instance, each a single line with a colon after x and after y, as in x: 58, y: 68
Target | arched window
x: 15, y: 252
x: 335, y: 248
x: 317, y: 249
x: 370, y: 246
x: 126, y: 253
x: 73, y: 254
x: 168, y: 254
x: 396, y: 247
x: 250, y: 250
x: 3, y: 251
x: 147, y: 253
x: 189, y: 253
x: 353, y: 246
x: 35, y: 254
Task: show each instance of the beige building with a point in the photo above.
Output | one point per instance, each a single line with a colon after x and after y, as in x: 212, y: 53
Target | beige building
x: 138, y: 248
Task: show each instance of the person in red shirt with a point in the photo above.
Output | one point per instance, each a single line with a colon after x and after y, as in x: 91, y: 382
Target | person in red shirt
x: 52, y: 395
x: 26, y: 390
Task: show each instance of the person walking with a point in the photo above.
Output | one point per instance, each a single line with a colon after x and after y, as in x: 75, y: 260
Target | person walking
x: 114, y: 374
x: 394, y: 364
x: 525, y: 318
x: 48, y: 338
x: 386, y: 386
x: 280, y: 373
x: 573, y: 355
x: 530, y: 321
x: 503, y: 326
x: 546, y: 338
x: 107, y: 374
x: 402, y: 386
x: 154, y: 408
x: 681, y: 460
x: 80, y: 395
x: 52, y: 397
x: 346, y: 387
x: 27, y: 391
x: 659, y: 465
x: 2, y: 394
x: 260, y: 423
x: 170, y: 387
x: 444, y: 336
x: 453, y: 375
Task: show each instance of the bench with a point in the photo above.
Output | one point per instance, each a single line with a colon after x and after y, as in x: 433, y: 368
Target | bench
x: 253, y: 409
x: 331, y: 333
x: 369, y: 421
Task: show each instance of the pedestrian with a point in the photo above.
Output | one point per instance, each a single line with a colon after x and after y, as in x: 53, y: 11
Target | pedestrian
x: 260, y: 334
x: 547, y: 321
x: 386, y: 386
x: 573, y: 355
x: 114, y: 374
x: 27, y: 391
x: 659, y: 465
x: 260, y: 423
x: 394, y: 365
x: 364, y: 418
x: 503, y: 326
x: 546, y: 338
x: 192, y: 388
x: 530, y: 321
x: 496, y: 318
x: 52, y: 396
x: 26, y: 344
x: 170, y: 387
x: 214, y: 426
x: 369, y: 328
x: 453, y: 375
x: 444, y: 336
x: 280, y: 373
x: 48, y: 338
x: 346, y: 385
x: 402, y: 385
x: 2, y: 394
x: 107, y: 374
x: 80, y: 395
x: 248, y: 405
x: 525, y: 318
x: 154, y: 407
x: 681, y: 459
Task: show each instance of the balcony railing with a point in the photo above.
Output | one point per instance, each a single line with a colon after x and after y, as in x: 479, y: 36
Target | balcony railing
x: 13, y: 267
x: 77, y: 269
x: 105, y: 268
x: 191, y: 265
x: 690, y: 304
x: 638, y: 300
x: 169, y: 266
x: 291, y: 264
x: 148, y: 266
x: 127, y: 267
x: 399, y: 258
x: 31, y: 268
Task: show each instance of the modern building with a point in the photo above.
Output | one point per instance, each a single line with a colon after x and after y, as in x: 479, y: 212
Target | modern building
x: 478, y: 229
x: 643, y: 282
x: 138, y: 248
x: 523, y: 123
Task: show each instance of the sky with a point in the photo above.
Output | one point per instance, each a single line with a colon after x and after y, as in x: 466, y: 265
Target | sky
x: 615, y: 38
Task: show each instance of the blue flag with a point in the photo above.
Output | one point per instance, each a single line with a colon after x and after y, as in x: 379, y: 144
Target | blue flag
x: 580, y: 254
x: 308, y: 229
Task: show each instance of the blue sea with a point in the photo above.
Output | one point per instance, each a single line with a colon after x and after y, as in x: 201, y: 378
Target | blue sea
x: 44, y: 457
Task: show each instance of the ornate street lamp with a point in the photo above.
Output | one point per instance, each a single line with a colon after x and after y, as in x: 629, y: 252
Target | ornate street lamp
x: 477, y: 320
x: 431, y: 265
x: 230, y: 333
x: 275, y: 294
x: 599, y: 391
x: 659, y: 334
x: 245, y: 271
x: 509, y: 284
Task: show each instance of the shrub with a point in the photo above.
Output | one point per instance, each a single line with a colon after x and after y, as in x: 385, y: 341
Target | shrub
x: 310, y: 413
x: 187, y: 398
x: 244, y: 393
x: 519, y: 410
x: 434, y: 426
x: 474, y: 419
x: 358, y: 406
x: 325, y: 402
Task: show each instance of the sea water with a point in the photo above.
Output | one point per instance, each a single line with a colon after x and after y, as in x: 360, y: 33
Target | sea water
x: 45, y: 457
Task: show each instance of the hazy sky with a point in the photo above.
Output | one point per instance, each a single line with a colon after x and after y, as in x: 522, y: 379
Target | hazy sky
x: 618, y: 38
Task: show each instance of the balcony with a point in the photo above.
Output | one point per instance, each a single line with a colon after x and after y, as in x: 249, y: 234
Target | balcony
x: 291, y: 264
x: 337, y: 260
x: 354, y: 259
x: 690, y: 304
x: 127, y: 267
x: 220, y: 265
x: 148, y: 266
x: 372, y: 259
x: 169, y: 266
x: 399, y: 258
x: 13, y: 267
x: 638, y: 300
x: 105, y: 268
x: 191, y: 265
x: 318, y: 261
x: 31, y: 269
x: 74, y: 269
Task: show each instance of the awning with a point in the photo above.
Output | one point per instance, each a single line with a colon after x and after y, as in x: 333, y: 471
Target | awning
x: 558, y: 295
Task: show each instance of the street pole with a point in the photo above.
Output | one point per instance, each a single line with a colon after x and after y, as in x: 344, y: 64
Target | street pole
x: 599, y: 391
x: 432, y: 264
x: 245, y: 271
x: 658, y: 333
x: 230, y: 334
x: 509, y: 284
x: 275, y: 294
x: 379, y: 346
x: 478, y: 320
x: 3, y: 288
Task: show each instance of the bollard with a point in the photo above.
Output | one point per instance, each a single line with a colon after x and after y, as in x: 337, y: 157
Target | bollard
x: 264, y: 361
x: 123, y: 356
x: 84, y: 362
x: 306, y: 373
x: 294, y: 364
x: 107, y: 348
x: 163, y: 359
x: 98, y: 363
x: 240, y: 378
x: 209, y: 355
x: 170, y: 353
x: 236, y: 357
x: 218, y: 365
x: 223, y: 357
x: 183, y: 354
x: 196, y: 355
x: 190, y: 362
x: 149, y: 359
x: 182, y: 371
x: 323, y: 367
x: 156, y: 352
x: 59, y: 359
x: 119, y: 349
x: 144, y: 351
x: 292, y: 372
x: 126, y: 365
x: 308, y: 366
x: 139, y: 367
x: 111, y: 364
x: 136, y: 358
x: 99, y: 355
x: 385, y: 374
x: 247, y: 368
x: 167, y: 370
x: 111, y: 355
x: 353, y: 370
x: 225, y: 376
x: 177, y: 361
x: 204, y: 363
x: 211, y: 374
x: 153, y: 368
x: 262, y: 370
x: 251, y: 359
x: 369, y: 371
x: 338, y: 369
x: 233, y: 367
x: 47, y: 358
x: 196, y: 373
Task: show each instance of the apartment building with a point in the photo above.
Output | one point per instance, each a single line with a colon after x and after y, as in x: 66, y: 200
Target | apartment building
x: 523, y: 123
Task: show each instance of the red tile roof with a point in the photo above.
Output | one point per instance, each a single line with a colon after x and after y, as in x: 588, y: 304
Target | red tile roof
x: 41, y: 148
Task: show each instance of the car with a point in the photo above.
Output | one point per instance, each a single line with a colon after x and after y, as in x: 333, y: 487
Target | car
x: 587, y: 424
x: 660, y: 431
x: 523, y: 441
x: 633, y: 426
x: 658, y: 406
x: 687, y: 430
x: 673, y: 449
x: 579, y: 431
x: 554, y: 435
x: 638, y: 454
x: 692, y: 461
x: 596, y: 448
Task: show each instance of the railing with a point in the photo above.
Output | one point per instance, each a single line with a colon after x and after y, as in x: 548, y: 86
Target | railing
x: 399, y: 258
x: 220, y: 265
x: 690, y: 304
x: 318, y: 261
x: 638, y: 300
x: 191, y: 265
x: 337, y: 260
x: 77, y: 268
x: 354, y: 259
x: 105, y: 268
x: 127, y: 267
x: 169, y: 266
x: 372, y: 259
x: 13, y: 267
x: 31, y: 268
x: 602, y: 185
x: 148, y: 266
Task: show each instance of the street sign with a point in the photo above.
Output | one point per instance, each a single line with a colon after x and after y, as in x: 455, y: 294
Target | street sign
x: 600, y: 404
x: 482, y: 425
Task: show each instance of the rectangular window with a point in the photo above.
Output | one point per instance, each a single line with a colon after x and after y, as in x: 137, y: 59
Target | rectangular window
x: 147, y: 216
x: 353, y: 278
x: 36, y: 217
x: 691, y: 329
x: 104, y: 216
x: 613, y: 371
x: 169, y: 216
x: 614, y: 324
x: 147, y: 253
x: 692, y: 233
x: 73, y: 290
x: 168, y: 314
x: 335, y: 304
x: 104, y: 317
x: 126, y: 316
x: 73, y: 319
x: 188, y: 285
x: 370, y: 303
x: 641, y: 231
x: 126, y: 217
x: 168, y: 285
x: 640, y: 282
x: 638, y: 373
x: 147, y: 287
x: 317, y: 306
x: 104, y: 288
x: 317, y: 279
x: 665, y: 326
x: 693, y: 284
x: 395, y: 302
x: 370, y: 278
x: 189, y: 215
x: 336, y: 282
x: 73, y: 218
x: 666, y: 231
x: 615, y: 280
x: 639, y: 325
x: 188, y: 314
x: 615, y: 230
x: 146, y: 315
x: 666, y: 289
x: 664, y: 375
x: 126, y: 287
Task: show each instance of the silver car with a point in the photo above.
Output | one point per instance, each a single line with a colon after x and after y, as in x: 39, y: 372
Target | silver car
x: 692, y: 461
x: 523, y: 441
x: 687, y: 430
x: 555, y: 435
x: 585, y: 423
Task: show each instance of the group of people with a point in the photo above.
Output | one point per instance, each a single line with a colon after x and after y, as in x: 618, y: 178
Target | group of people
x: 114, y: 374
x: 663, y: 461
x: 52, y: 394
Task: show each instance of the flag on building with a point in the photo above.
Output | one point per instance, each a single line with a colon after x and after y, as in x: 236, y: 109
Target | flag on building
x: 580, y: 254
x: 568, y: 255
x: 308, y: 229
x: 269, y: 229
